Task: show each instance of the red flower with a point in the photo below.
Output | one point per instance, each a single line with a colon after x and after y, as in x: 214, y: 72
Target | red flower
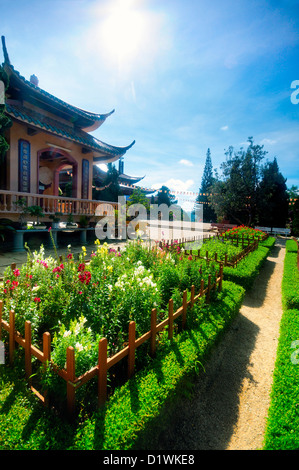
x: 36, y: 299
x: 17, y: 272
x: 70, y: 256
x: 81, y: 267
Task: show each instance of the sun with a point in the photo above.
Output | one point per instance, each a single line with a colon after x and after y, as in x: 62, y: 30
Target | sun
x: 124, y: 32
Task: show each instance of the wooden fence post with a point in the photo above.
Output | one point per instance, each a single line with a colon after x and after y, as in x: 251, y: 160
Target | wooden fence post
x: 1, y: 307
x: 153, y: 332
x: 209, y: 289
x: 28, y: 365
x: 170, y: 319
x: 131, y: 355
x: 192, y: 295
x: 47, y: 358
x: 221, y: 277
x: 11, y: 336
x: 70, y: 388
x: 102, y: 374
x: 201, y: 287
x: 184, y: 316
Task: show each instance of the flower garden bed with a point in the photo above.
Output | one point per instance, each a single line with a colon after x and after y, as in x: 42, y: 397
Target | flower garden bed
x: 138, y: 406
x: 79, y: 302
x: 116, y: 296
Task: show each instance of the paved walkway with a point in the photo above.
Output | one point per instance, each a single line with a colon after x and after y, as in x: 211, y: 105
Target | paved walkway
x: 230, y: 406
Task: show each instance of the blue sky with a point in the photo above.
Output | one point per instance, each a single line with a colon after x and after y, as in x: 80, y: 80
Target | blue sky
x: 182, y: 75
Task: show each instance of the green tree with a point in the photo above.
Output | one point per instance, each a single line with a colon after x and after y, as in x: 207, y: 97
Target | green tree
x: 273, y: 198
x: 164, y: 196
x: 234, y: 195
x: 138, y: 197
x: 207, y: 181
x: 111, y: 185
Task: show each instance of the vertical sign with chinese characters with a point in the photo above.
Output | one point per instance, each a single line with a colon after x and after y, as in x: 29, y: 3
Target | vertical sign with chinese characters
x: 24, y: 166
x: 85, y: 178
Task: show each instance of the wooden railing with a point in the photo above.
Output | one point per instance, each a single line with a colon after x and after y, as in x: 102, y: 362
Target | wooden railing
x: 104, y: 362
x: 50, y: 204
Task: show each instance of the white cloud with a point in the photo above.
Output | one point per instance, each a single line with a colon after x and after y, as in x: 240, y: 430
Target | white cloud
x: 224, y: 128
x: 268, y: 142
x: 185, y: 162
x: 175, y: 184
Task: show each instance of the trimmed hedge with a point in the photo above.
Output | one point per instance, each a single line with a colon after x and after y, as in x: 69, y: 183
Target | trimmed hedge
x: 290, y: 281
x: 282, y: 432
x: 129, y: 417
x: 247, y: 270
x: 136, y: 408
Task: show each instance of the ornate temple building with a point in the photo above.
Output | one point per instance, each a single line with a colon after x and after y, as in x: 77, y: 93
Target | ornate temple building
x: 48, y: 138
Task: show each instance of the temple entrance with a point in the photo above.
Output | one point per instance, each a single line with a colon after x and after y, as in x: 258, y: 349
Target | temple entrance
x: 57, y: 173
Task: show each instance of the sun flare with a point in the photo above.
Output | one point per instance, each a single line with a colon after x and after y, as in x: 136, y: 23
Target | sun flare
x: 124, y: 32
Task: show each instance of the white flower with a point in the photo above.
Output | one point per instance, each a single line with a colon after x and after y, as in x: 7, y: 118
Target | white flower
x: 79, y: 346
x: 66, y: 333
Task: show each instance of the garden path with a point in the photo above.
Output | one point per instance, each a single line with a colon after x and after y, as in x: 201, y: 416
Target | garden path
x: 232, y: 397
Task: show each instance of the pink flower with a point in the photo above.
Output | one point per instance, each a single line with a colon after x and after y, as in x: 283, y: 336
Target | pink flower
x: 17, y: 272
x: 49, y: 229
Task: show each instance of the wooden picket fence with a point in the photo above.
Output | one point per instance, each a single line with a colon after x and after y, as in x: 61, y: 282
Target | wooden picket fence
x: 233, y: 262
x: 248, y: 244
x: 100, y: 370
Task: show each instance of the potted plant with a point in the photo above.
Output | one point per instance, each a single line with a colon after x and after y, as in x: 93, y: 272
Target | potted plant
x: 55, y: 219
x: 21, y: 206
x: 70, y: 221
x: 36, y: 211
x: 84, y: 221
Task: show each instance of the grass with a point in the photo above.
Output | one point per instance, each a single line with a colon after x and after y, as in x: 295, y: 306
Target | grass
x: 282, y: 432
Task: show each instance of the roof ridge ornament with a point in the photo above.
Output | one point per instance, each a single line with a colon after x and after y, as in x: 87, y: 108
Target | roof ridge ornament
x: 5, y: 54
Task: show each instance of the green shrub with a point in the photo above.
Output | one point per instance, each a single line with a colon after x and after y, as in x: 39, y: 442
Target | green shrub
x: 283, y: 418
x: 290, y: 282
x: 247, y: 269
x: 291, y: 246
x: 131, y: 416
x: 135, y: 409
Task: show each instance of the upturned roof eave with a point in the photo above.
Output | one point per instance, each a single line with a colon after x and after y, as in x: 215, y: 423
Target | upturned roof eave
x: 84, y: 119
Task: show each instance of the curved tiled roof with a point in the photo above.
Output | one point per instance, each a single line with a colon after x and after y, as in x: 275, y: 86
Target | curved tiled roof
x: 88, y: 119
x: 52, y: 126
